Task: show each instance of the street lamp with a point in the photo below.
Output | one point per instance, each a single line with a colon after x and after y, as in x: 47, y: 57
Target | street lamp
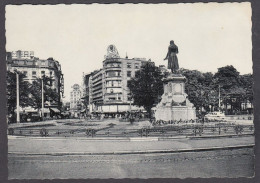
x: 42, y: 100
x: 17, y: 98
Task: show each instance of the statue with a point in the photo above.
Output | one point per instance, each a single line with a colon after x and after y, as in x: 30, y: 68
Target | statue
x: 172, y: 57
x: 112, y: 52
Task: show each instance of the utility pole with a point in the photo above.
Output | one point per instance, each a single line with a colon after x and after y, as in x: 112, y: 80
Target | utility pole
x: 131, y: 102
x: 42, y: 101
x: 17, y: 99
x: 219, y: 98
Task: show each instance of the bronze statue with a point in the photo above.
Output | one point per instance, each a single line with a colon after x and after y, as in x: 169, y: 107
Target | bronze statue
x: 172, y: 57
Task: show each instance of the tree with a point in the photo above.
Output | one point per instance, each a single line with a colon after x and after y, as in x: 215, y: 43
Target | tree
x: 199, y: 87
x: 228, y: 79
x: 24, y: 93
x: 247, y: 85
x: 146, y: 87
x: 49, y: 93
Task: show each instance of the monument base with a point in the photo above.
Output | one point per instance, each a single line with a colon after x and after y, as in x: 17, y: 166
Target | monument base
x: 174, y: 104
x: 175, y: 113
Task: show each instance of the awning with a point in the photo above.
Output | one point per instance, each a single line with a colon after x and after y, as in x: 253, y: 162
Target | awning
x: 55, y: 110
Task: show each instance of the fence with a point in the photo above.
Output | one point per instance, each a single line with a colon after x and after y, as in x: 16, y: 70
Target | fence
x: 170, y: 131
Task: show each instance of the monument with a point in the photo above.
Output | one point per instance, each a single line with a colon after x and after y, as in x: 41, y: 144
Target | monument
x: 174, y: 104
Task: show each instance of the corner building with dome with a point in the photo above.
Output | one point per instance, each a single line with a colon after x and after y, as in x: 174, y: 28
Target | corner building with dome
x: 107, y: 88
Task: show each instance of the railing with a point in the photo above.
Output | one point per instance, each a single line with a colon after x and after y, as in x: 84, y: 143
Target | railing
x: 170, y: 131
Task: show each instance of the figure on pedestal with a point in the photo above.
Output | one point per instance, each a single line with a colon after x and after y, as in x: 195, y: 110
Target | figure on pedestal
x: 174, y: 105
x: 172, y: 57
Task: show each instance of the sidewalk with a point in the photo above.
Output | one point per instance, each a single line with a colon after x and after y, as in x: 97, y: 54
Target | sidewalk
x: 84, y: 146
x: 28, y: 124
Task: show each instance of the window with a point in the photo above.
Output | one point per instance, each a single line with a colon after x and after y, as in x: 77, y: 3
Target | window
x: 128, y: 73
x: 25, y: 73
x: 111, y: 74
x: 34, y: 74
x: 136, y: 65
x: 111, y: 91
x: 128, y: 65
x: 42, y: 73
x: 50, y: 73
x: 119, y: 98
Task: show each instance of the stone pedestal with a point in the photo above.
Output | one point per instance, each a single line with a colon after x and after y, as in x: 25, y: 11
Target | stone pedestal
x: 175, y: 104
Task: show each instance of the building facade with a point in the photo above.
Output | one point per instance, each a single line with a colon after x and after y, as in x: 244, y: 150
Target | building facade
x: 33, y: 68
x: 22, y: 54
x: 108, y: 91
x: 75, y: 97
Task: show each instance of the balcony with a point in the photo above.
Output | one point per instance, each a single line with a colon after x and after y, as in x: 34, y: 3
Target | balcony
x: 97, y: 97
x: 112, y: 101
x: 95, y: 81
x: 114, y: 77
x: 112, y: 60
x: 107, y: 86
x: 112, y: 68
x: 97, y: 87
x: 96, y: 92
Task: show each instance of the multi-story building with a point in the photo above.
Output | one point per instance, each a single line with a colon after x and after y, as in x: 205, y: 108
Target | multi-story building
x: 75, y: 97
x: 75, y: 101
x: 22, y: 54
x: 85, y: 93
x: 33, y: 68
x: 108, y: 91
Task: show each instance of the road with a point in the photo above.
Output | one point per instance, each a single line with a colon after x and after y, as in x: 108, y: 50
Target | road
x: 49, y: 158
x: 219, y: 163
x: 33, y: 145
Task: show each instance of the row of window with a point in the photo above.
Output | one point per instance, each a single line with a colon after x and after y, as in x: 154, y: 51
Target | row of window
x: 136, y: 65
x: 27, y: 62
x: 113, y: 73
x: 114, y: 65
x: 129, y: 65
x: 114, y: 98
x: 34, y: 73
x: 113, y: 83
x: 117, y: 74
x: 119, y: 98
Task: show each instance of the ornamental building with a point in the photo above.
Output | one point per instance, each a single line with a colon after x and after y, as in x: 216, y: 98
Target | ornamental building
x: 33, y: 68
x: 107, y: 88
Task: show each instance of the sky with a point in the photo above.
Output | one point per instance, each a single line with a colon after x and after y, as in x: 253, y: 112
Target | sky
x: 208, y: 35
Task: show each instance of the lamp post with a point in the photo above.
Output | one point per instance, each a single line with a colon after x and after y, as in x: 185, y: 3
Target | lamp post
x: 219, y: 98
x: 17, y: 99
x: 42, y: 101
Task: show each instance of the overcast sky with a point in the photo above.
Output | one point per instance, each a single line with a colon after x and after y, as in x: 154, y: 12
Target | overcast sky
x: 209, y: 35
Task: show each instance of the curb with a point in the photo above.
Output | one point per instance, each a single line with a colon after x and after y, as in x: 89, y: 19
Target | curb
x: 221, y: 136
x: 11, y: 137
x: 138, y: 152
